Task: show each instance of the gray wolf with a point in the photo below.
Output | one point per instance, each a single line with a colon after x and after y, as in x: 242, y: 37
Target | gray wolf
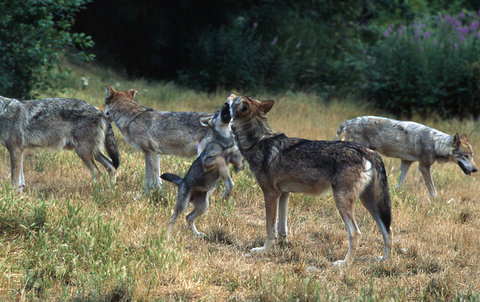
x: 58, y: 124
x: 410, y: 142
x: 156, y: 132
x: 282, y: 165
x: 206, y: 170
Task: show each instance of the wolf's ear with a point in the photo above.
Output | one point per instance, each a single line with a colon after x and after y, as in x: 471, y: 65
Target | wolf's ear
x: 206, y: 121
x: 265, y: 106
x: 132, y: 92
x: 456, y: 141
x: 109, y: 91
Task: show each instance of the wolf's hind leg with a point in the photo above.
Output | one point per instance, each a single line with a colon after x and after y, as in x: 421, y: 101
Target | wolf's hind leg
x: 182, y: 203
x: 107, y: 163
x: 344, y: 202
x: 201, y: 203
x: 86, y: 155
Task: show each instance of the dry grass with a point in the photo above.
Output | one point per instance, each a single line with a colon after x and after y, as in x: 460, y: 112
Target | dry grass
x: 64, y: 239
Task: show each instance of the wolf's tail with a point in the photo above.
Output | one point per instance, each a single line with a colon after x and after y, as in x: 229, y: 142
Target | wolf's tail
x: 171, y: 178
x: 111, y: 146
x: 382, y: 194
x: 339, y: 131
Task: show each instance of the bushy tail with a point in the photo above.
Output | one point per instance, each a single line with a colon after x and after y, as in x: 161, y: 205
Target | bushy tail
x: 382, y: 193
x: 171, y: 178
x: 339, y: 131
x: 111, y: 146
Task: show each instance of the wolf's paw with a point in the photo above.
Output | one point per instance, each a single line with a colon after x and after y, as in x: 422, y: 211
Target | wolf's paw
x: 256, y: 251
x: 340, y: 263
x: 199, y: 235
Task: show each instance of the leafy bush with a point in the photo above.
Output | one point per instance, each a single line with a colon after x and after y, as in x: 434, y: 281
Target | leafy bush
x: 33, y: 35
x: 432, y: 65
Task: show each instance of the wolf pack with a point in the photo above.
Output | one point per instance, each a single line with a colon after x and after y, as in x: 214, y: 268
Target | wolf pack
x: 238, y: 132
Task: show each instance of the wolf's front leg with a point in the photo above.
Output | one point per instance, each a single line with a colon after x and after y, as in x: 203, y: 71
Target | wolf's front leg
x: 271, y: 200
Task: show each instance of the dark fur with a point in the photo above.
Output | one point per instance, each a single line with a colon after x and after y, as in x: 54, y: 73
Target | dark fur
x: 282, y: 165
x: 203, y: 175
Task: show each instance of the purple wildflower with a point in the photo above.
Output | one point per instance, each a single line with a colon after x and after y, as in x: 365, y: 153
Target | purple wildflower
x: 474, y: 25
x: 461, y: 38
x: 427, y: 35
x: 400, y: 32
x: 456, y: 22
x: 418, y: 33
x: 255, y: 24
x: 274, y: 41
x: 364, y: 51
x: 463, y: 30
x: 455, y: 46
x: 478, y: 34
x: 422, y: 26
x: 421, y: 48
x: 439, y: 17
x: 461, y: 15
x: 435, y: 42
x: 448, y: 18
x: 298, y: 44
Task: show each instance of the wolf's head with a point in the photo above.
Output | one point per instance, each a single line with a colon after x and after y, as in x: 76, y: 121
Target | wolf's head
x: 118, y: 98
x: 463, y: 154
x: 219, y: 122
x: 245, y: 108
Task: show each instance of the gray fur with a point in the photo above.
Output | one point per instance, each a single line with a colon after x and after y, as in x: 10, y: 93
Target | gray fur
x: 156, y: 132
x: 410, y: 142
x: 204, y: 173
x: 282, y: 165
x: 57, y: 124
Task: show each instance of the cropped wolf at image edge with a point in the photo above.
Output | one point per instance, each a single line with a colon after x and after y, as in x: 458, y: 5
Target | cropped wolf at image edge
x: 56, y: 123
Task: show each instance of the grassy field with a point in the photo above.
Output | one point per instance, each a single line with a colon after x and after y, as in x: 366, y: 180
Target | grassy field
x: 66, y: 239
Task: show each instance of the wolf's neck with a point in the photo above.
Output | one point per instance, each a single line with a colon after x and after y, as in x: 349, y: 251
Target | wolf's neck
x: 443, y: 145
x: 248, y: 135
x: 122, y: 114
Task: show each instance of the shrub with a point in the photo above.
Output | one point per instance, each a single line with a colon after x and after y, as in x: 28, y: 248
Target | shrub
x: 33, y: 35
x: 432, y: 65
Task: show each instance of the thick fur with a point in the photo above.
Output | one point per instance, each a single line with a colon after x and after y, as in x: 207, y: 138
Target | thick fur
x: 410, y: 142
x: 203, y: 175
x: 157, y: 132
x: 58, y: 124
x: 282, y: 165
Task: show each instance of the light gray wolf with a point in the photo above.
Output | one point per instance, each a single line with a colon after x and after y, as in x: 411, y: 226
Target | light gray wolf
x: 410, y: 142
x: 203, y: 175
x: 282, y: 165
x: 156, y: 132
x: 58, y: 124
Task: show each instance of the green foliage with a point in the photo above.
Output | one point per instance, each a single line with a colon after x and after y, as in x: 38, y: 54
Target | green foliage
x: 33, y: 36
x: 432, y: 65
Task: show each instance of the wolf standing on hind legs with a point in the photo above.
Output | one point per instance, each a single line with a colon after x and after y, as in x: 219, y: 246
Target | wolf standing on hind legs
x: 282, y: 165
x: 410, y: 142
x: 59, y: 124
x: 203, y: 175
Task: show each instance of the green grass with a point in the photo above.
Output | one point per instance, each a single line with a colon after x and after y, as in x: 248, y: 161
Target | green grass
x: 65, y: 239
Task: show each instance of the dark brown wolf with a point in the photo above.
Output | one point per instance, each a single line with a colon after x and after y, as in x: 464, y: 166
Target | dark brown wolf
x: 282, y: 165
x: 203, y: 175
x: 57, y: 124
